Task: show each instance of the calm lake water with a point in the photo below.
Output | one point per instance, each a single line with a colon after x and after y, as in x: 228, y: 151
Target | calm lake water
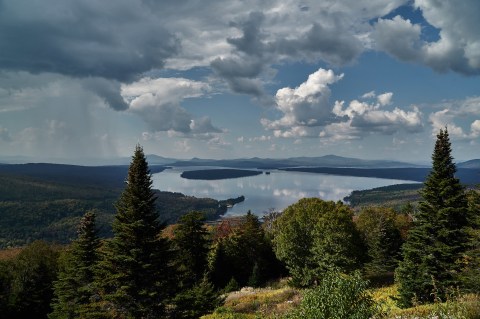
x: 277, y: 190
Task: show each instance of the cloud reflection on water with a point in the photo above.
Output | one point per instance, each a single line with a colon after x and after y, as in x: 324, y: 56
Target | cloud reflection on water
x: 263, y: 192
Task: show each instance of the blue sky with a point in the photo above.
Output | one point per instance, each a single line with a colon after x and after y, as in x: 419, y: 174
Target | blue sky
x: 233, y: 79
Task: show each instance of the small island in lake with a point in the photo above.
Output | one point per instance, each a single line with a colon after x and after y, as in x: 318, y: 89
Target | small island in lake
x: 212, y: 174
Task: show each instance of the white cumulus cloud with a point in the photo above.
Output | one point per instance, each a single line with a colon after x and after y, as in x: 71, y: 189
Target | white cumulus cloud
x: 306, y: 112
x: 457, y: 47
x: 304, y: 106
x: 370, y: 117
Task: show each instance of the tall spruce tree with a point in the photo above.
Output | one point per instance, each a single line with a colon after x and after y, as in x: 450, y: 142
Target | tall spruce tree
x: 192, y: 245
x: 74, y: 286
x: 438, y: 237
x: 135, y: 273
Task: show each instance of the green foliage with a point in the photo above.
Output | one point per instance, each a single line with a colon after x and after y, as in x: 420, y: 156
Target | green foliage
x: 5, y: 285
x: 214, y: 174
x: 135, y: 274
x: 192, y: 245
x: 438, y: 239
x: 378, y: 228
x: 470, y: 274
x: 395, y: 196
x: 313, y: 236
x: 174, y: 205
x: 255, y: 278
x: 194, y: 302
x: 236, y: 255
x: 337, y: 296
x: 49, y: 209
x: 459, y: 307
x: 74, y: 286
x: 232, y: 285
x: 32, y: 275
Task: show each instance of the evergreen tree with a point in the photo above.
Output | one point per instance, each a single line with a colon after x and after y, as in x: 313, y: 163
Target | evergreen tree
x: 378, y: 227
x: 33, y: 273
x: 237, y: 255
x: 74, y: 286
x: 438, y: 238
x: 192, y: 244
x: 470, y: 275
x: 196, y: 301
x: 135, y: 273
x: 219, y: 265
x: 5, y: 286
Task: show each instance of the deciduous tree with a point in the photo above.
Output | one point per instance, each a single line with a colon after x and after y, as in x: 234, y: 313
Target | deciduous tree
x: 314, y: 236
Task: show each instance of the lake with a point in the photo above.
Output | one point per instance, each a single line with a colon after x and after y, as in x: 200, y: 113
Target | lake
x: 265, y: 192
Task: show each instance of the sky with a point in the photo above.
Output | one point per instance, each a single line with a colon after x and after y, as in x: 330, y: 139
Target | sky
x: 372, y: 79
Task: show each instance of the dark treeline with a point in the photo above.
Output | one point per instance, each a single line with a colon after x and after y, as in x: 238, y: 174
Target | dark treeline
x: 468, y: 176
x: 395, y: 196
x: 147, y: 271
x: 213, y: 174
x: 73, y: 175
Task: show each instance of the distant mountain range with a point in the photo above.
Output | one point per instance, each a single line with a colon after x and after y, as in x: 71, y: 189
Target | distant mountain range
x: 255, y: 162
x: 475, y: 163
x: 270, y: 163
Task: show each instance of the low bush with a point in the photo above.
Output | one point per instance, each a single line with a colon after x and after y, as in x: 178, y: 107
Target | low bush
x: 338, y: 296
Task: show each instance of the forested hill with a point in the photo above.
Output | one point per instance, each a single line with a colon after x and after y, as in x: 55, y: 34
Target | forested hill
x: 475, y: 163
x: 46, y: 201
x: 467, y: 176
x: 104, y: 176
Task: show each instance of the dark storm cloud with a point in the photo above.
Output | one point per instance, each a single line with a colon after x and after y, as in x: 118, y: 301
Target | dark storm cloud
x: 247, y: 63
x: 330, y: 43
x: 250, y: 42
x: 259, y: 46
x: 108, y: 90
x: 115, y: 40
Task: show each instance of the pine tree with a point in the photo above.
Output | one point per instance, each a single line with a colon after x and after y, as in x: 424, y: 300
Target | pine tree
x: 378, y: 228
x: 235, y: 256
x: 74, y: 286
x: 33, y: 273
x: 192, y: 244
x: 196, y: 301
x: 135, y: 273
x: 438, y: 237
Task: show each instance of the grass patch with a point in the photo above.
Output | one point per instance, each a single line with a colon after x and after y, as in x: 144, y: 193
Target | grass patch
x: 257, y: 303
x: 250, y: 303
x: 461, y: 307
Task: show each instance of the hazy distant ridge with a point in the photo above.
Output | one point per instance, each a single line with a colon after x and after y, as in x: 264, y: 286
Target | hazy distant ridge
x: 269, y: 163
x: 255, y: 162
x: 474, y: 163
